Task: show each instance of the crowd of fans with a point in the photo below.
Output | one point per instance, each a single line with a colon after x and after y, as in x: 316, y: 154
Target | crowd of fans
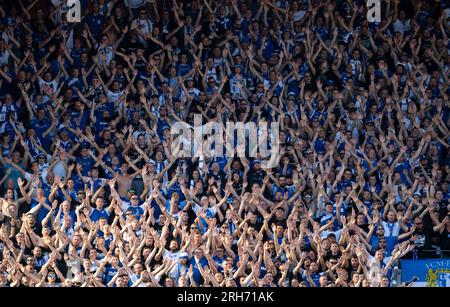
x: 93, y: 196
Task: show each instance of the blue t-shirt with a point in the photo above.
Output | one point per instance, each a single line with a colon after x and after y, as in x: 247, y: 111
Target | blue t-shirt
x: 219, y: 262
x: 196, y: 272
x: 97, y: 214
x: 137, y: 211
x: 42, y: 212
x: 86, y: 163
x: 95, y: 23
x: 109, y: 273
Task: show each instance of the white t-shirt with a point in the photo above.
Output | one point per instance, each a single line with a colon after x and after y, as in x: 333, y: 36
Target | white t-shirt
x: 59, y: 170
x: 402, y: 26
x: 197, y: 209
x: 375, y: 269
x: 4, y: 109
x: 299, y: 15
x: 144, y: 25
x: 4, y: 57
x: 48, y: 88
x: 113, y: 96
x: 193, y: 92
x: 134, y: 4
x: 337, y: 233
x: 171, y: 255
x: 109, y: 52
x: 391, y: 229
x: 5, y: 37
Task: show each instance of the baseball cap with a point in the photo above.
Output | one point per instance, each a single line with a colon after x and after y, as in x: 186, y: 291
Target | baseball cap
x: 291, y: 94
x: 212, y: 77
x: 369, y: 122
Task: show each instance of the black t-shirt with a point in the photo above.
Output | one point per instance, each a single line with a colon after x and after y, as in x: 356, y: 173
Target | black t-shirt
x: 364, y: 227
x: 259, y: 222
x: 37, y: 228
x: 130, y: 46
x: 26, y: 252
x: 152, y: 46
x: 445, y: 241
x: 351, y: 271
x: 329, y: 255
x: 276, y: 221
x: 430, y: 65
x: 255, y: 177
x: 423, y: 241
x: 443, y: 211
x: 6, y: 220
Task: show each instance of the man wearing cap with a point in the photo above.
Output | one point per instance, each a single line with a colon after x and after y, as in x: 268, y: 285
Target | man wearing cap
x: 181, y: 267
x: 132, y: 202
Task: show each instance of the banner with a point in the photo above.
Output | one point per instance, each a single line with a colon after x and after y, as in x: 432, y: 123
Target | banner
x: 430, y: 272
